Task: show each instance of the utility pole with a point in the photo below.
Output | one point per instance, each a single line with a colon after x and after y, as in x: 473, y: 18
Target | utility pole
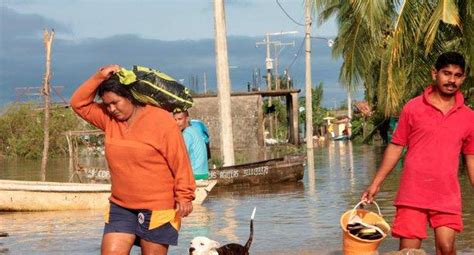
x: 269, y: 67
x: 308, y: 82
x: 268, y: 59
x: 223, y: 84
x: 278, y: 47
x: 196, y: 79
x: 205, y: 83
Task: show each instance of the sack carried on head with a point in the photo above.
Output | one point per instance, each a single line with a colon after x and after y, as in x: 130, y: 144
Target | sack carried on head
x: 156, y: 88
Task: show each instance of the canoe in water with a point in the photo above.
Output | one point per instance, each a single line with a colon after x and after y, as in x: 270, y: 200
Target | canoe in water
x: 277, y: 170
x: 51, y: 196
x: 270, y: 171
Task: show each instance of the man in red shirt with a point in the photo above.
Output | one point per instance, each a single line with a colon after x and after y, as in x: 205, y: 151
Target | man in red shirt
x: 435, y: 127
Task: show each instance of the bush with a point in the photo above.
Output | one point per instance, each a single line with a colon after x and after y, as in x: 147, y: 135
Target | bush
x: 21, y: 130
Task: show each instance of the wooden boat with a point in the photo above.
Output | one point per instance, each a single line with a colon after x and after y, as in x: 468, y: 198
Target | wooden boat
x: 277, y: 170
x: 48, y: 196
x: 284, y: 169
x: 45, y: 196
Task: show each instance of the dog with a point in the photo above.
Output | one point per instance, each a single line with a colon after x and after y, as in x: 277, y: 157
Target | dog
x: 201, y: 245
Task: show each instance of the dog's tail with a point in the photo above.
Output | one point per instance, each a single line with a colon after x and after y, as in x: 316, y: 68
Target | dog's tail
x: 249, y: 242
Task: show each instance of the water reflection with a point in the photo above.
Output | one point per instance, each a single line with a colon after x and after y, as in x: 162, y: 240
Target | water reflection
x: 230, y: 224
x: 292, y: 218
x: 73, y: 232
x: 310, y: 174
x: 198, y: 223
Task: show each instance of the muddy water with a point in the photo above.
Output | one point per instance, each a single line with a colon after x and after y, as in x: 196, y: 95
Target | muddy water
x: 294, y: 218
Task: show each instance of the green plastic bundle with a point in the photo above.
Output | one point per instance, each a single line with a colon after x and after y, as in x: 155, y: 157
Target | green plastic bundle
x: 154, y: 87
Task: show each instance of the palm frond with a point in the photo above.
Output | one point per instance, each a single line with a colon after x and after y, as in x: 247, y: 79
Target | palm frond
x: 445, y: 11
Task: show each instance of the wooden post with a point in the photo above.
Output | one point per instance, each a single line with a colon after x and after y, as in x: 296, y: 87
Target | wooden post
x: 293, y: 117
x: 261, y: 123
x: 223, y: 84
x: 269, y: 66
x: 48, y: 41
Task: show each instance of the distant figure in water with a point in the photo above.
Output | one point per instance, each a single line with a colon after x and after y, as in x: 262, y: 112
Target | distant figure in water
x: 435, y: 127
x: 152, y: 180
x: 195, y: 144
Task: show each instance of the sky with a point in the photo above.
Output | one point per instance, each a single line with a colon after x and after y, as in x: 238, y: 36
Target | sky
x: 174, y: 36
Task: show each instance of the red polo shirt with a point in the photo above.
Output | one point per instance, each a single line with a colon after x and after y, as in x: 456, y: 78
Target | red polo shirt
x: 434, y: 142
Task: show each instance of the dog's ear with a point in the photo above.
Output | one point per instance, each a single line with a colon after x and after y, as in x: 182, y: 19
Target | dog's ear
x: 215, y: 244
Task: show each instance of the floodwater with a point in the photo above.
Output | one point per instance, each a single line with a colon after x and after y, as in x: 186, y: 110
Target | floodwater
x: 293, y: 218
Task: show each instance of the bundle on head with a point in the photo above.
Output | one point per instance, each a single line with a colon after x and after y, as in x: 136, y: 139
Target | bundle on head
x: 154, y: 87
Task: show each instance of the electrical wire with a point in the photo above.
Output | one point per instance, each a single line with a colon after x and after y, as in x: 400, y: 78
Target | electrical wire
x: 288, y: 15
x: 297, y: 55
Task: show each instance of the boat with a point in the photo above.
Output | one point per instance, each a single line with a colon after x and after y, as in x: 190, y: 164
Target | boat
x: 45, y: 196
x: 52, y: 196
x: 276, y: 170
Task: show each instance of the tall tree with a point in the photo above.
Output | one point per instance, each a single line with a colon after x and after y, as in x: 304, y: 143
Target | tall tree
x: 389, y: 46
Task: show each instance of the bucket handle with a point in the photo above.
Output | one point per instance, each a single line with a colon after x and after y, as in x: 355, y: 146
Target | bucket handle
x: 358, y: 204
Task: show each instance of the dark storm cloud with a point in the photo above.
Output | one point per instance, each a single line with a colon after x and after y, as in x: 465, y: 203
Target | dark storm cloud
x: 14, y: 25
x: 22, y: 58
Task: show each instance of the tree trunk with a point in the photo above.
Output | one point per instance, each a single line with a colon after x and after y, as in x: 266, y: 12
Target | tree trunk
x: 48, y: 41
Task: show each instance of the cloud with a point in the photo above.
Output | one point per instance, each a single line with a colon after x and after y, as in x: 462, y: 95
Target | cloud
x: 22, y: 58
x: 239, y: 3
x: 14, y: 25
x: 228, y: 4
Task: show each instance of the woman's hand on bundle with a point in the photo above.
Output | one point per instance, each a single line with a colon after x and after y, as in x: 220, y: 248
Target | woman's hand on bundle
x: 109, y: 70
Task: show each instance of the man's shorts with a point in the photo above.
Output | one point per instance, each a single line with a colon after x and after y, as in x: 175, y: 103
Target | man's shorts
x: 154, y: 226
x: 410, y: 222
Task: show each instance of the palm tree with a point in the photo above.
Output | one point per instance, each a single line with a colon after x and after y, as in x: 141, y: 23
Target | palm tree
x: 389, y: 46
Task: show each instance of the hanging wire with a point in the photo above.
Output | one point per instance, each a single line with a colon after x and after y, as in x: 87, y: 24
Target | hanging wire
x: 296, y: 55
x: 288, y: 15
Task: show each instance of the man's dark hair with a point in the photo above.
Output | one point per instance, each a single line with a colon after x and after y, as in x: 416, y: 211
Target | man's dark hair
x: 450, y: 58
x: 113, y: 85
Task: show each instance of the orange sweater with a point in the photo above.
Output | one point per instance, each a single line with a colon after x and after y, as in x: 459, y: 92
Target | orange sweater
x: 148, y: 161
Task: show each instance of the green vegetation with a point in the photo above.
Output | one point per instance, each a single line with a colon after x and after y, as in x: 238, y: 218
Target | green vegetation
x: 278, y: 111
x: 389, y: 46
x: 21, y: 130
x: 319, y: 112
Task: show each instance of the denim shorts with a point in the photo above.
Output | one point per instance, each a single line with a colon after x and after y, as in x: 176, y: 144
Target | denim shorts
x: 137, y: 222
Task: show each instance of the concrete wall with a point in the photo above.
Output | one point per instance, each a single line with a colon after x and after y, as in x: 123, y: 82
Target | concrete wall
x: 247, y: 119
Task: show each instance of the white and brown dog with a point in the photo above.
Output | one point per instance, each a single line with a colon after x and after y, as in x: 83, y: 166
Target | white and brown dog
x: 201, y: 245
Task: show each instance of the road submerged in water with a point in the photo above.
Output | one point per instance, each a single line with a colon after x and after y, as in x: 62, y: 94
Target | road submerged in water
x: 291, y: 218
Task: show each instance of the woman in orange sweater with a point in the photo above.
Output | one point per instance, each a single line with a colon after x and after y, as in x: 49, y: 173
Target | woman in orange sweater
x: 152, y: 180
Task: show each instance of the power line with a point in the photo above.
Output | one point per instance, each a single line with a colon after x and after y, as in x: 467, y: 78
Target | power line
x: 288, y: 15
x: 296, y: 56
x: 330, y: 43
